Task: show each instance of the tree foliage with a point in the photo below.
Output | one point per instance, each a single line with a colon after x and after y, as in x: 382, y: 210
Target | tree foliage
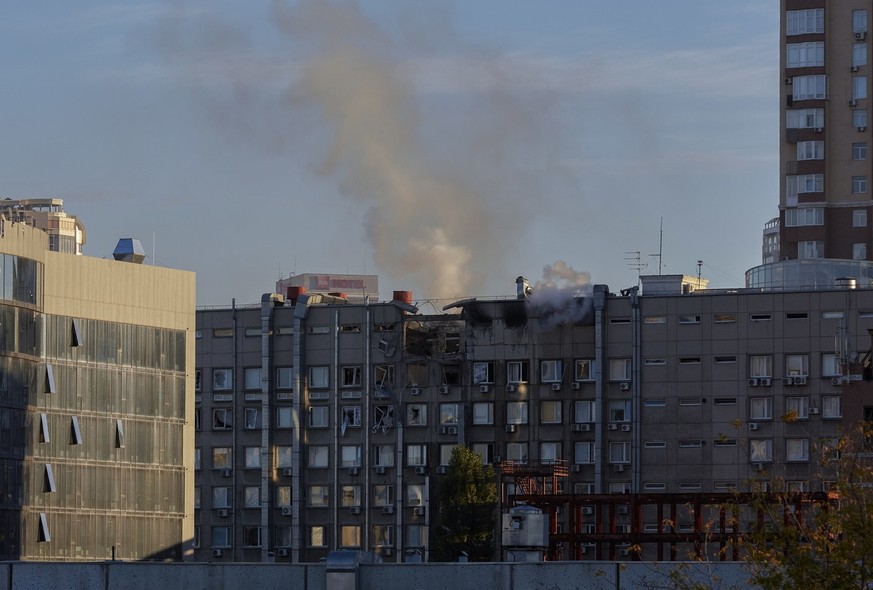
x: 467, y: 509
x: 825, y: 542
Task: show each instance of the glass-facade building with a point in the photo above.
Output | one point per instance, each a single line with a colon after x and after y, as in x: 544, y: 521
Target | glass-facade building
x: 94, y: 410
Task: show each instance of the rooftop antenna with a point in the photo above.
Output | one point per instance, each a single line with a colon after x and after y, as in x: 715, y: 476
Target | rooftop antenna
x: 660, y: 253
x: 699, y: 264
x: 636, y: 263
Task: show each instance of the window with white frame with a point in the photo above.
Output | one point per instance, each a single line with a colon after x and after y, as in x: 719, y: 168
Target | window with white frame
x: 810, y: 150
x: 859, y: 251
x: 416, y: 414
x: 859, y: 21
x: 384, y: 375
x: 319, y: 377
x: 252, y: 378
x: 516, y: 412
x: 483, y: 372
x: 584, y: 453
x: 859, y: 151
x: 809, y: 87
x: 318, y: 536
x: 810, y: 249
x: 383, y: 495
x: 351, y: 416
x: 483, y: 413
x: 797, y: 449
x: 516, y: 372
x: 414, y: 494
x: 252, y: 457
x: 551, y: 371
x: 797, y: 407
x: 319, y: 416
x: 797, y: 217
x: 802, y: 22
x: 222, y: 379
x: 350, y: 456
x: 550, y: 412
x: 222, y: 458
x: 319, y: 496
x: 804, y: 118
x: 516, y: 452
x: 284, y: 416
x: 831, y: 406
x: 350, y: 495
x: 416, y: 535
x: 585, y: 370
x: 620, y: 369
x: 252, y: 418
x: 859, y: 118
x: 251, y: 536
x: 583, y: 411
x: 221, y: 536
x: 619, y: 410
x: 859, y: 54
x: 449, y: 414
x: 221, y: 497
x: 761, y: 450
x: 550, y: 451
x: 252, y: 497
x: 859, y: 87
x: 351, y: 376
x: 760, y: 408
x: 859, y: 185
x: 796, y: 365
x: 803, y: 183
x: 859, y: 216
x: 383, y: 455
x: 222, y: 419
x: 383, y: 535
x: 284, y: 378
x: 804, y: 55
x: 619, y: 452
x: 319, y: 456
x: 416, y: 455
x: 830, y: 365
x: 284, y: 456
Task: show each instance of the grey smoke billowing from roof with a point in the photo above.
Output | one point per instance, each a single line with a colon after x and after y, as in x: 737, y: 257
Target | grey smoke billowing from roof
x: 440, y: 142
x: 563, y: 296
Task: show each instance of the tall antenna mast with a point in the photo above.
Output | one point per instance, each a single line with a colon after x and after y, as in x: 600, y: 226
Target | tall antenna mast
x: 660, y: 254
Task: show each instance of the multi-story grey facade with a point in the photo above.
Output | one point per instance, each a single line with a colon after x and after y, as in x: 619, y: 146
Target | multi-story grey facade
x: 325, y: 424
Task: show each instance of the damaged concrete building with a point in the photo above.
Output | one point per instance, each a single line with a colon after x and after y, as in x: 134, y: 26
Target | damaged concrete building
x: 324, y: 424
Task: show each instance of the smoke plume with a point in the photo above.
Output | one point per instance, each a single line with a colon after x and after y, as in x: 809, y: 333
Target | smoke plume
x: 563, y: 296
x: 443, y: 144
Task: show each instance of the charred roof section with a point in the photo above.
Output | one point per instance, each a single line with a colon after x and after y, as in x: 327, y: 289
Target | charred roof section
x: 441, y: 339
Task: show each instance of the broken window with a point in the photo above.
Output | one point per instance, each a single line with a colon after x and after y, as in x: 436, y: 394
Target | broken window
x: 351, y: 376
x: 383, y: 418
x: 384, y: 376
x: 483, y: 372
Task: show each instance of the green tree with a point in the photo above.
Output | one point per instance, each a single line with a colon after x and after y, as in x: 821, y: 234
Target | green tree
x: 825, y: 542
x: 466, y: 509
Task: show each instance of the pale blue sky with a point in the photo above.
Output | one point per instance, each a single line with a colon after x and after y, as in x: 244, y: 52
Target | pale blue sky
x: 250, y: 140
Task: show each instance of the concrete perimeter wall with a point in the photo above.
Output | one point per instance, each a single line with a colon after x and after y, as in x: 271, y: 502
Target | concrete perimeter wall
x: 427, y: 576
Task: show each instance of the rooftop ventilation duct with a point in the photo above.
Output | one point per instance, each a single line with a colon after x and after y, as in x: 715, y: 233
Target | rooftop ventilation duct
x: 129, y: 250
